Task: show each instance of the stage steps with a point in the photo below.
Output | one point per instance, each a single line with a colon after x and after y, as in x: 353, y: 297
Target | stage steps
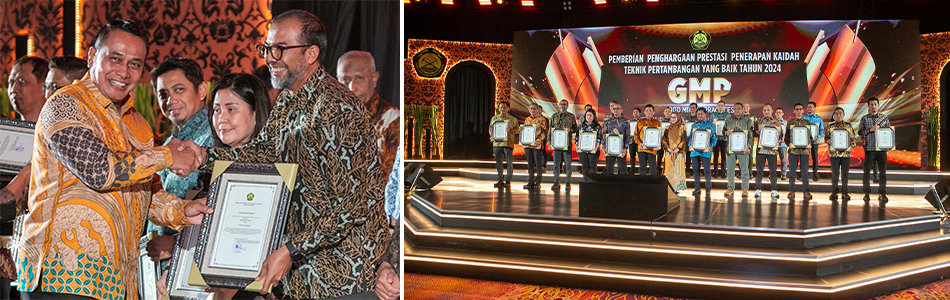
x: 854, y: 261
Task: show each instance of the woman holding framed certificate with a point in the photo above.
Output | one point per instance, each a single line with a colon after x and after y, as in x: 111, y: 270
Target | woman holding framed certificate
x: 674, y: 144
x: 588, y: 143
x: 840, y: 138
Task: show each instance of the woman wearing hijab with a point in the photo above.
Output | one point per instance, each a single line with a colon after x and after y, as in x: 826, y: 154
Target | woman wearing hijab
x: 674, y: 143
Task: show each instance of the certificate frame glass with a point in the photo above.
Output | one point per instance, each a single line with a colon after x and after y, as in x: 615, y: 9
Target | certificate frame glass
x: 179, y: 268
x: 499, y: 131
x: 214, y: 244
x: 527, y: 135
x: 689, y: 128
x: 587, y: 141
x: 147, y: 271
x: 799, y: 137
x: 16, y: 145
x: 700, y: 140
x: 840, y: 139
x: 663, y: 125
x: 651, y: 137
x: 560, y: 139
x: 884, y: 139
x: 720, y: 125
x: 769, y: 137
x: 814, y: 131
x: 633, y: 126
x: 614, y: 144
x: 738, y: 141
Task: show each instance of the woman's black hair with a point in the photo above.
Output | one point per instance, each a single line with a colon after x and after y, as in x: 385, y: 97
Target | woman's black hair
x: 250, y: 89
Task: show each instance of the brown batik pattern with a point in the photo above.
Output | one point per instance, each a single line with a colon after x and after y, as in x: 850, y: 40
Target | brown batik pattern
x: 336, y: 219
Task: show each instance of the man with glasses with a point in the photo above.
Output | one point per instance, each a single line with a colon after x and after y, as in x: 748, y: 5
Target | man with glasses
x: 798, y: 156
x: 357, y: 71
x: 563, y: 119
x: 336, y: 228
x: 814, y: 118
x: 870, y: 123
x: 615, y: 123
x: 63, y: 70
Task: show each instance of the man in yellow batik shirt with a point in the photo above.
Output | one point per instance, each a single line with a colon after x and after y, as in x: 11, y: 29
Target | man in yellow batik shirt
x: 93, y: 183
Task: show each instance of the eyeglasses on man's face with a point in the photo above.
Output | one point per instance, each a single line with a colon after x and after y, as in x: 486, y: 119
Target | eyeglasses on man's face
x: 276, y: 51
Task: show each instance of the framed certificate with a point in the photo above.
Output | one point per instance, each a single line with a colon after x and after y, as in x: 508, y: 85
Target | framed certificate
x: 181, y: 265
x: 799, y: 137
x: 663, y: 126
x: 720, y: 124
x: 250, y: 204
x: 614, y: 144
x: 884, y: 139
x: 768, y: 137
x: 689, y: 128
x: 16, y: 145
x: 528, y: 135
x: 587, y: 141
x: 738, y: 141
x: 560, y: 139
x: 840, y: 139
x: 499, y: 131
x: 148, y: 270
x: 633, y: 126
x: 700, y: 140
x: 651, y: 137
x: 814, y: 131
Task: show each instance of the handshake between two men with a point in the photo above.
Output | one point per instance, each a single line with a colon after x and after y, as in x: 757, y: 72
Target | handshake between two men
x: 187, y: 156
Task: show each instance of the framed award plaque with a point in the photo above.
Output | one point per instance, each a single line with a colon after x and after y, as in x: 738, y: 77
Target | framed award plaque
x: 738, y: 141
x: 148, y: 270
x: 181, y: 265
x: 689, y: 128
x: 560, y: 139
x: 651, y: 137
x: 814, y: 131
x: 633, y: 126
x: 16, y: 145
x: 499, y: 131
x: 699, y: 141
x: 614, y: 144
x: 769, y: 137
x: 528, y: 135
x: 840, y: 139
x: 587, y: 141
x: 663, y: 125
x: 250, y: 203
x: 884, y: 139
x: 799, y: 137
x: 720, y: 124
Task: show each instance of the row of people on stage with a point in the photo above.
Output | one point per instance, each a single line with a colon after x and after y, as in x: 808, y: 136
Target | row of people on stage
x: 674, y: 146
x: 92, y: 184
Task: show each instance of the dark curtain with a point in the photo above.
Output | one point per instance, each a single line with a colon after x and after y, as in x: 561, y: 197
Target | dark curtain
x: 371, y: 26
x: 469, y: 105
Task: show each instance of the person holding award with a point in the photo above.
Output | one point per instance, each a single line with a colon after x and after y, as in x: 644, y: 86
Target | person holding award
x: 94, y: 183
x: 700, y: 157
x: 565, y: 120
x: 589, y: 129
x: 635, y: 116
x: 719, y: 152
x: 674, y: 144
x: 783, y: 147
x: 647, y: 137
x: 616, y: 128
x: 798, y: 137
x: 503, y: 141
x: 738, y: 128
x: 819, y: 123
x: 769, y: 131
x: 840, y: 138
x: 873, y: 154
x: 534, y: 152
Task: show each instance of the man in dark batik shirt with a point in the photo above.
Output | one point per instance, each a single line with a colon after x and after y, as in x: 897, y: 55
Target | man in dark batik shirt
x: 336, y: 228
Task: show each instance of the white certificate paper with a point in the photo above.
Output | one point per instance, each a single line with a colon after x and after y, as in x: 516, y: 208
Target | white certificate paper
x: 651, y: 137
x: 242, y: 227
x: 16, y: 147
x: 884, y: 138
x: 663, y: 126
x: 738, y: 140
x: 633, y: 126
x: 840, y: 139
x: 500, y: 131
x: 528, y: 135
x: 800, y: 137
x: 614, y: 145
x: 700, y: 140
x: 689, y: 128
x: 768, y: 137
x: 720, y: 124
x: 559, y: 139
x: 588, y: 141
x: 814, y: 132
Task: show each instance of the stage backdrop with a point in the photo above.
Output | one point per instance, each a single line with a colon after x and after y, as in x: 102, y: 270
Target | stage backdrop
x: 834, y: 63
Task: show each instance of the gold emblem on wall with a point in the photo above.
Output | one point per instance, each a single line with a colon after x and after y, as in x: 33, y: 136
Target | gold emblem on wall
x: 429, y: 63
x: 699, y: 40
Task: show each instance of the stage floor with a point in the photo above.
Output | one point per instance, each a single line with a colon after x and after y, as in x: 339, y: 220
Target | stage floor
x: 462, y: 194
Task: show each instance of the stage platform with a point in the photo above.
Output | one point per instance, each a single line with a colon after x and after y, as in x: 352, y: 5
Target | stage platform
x: 709, y: 248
